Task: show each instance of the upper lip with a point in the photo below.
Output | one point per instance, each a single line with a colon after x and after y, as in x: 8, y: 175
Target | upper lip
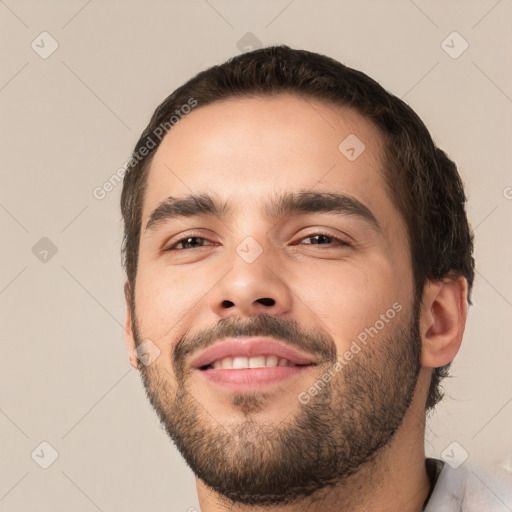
x: 249, y: 347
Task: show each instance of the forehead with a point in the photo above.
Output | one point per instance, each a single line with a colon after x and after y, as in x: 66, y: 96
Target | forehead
x: 247, y: 148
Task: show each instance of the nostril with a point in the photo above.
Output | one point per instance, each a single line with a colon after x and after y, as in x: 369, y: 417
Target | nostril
x: 267, y: 302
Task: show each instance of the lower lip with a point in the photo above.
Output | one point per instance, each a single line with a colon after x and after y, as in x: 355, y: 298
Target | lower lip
x: 250, y: 379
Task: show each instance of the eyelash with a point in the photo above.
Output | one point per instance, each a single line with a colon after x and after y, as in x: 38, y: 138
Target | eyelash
x: 339, y: 241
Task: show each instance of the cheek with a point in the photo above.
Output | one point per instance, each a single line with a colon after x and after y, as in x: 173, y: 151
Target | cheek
x: 163, y: 303
x: 347, y: 299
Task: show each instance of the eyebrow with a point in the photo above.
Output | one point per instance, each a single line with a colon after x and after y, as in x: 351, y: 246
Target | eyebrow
x: 283, y: 205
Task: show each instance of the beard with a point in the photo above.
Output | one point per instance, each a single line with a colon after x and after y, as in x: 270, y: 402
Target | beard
x: 320, y: 443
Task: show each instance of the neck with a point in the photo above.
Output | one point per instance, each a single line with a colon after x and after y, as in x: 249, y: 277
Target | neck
x: 395, y: 480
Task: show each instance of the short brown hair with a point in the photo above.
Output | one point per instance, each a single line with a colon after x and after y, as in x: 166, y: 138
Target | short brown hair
x: 421, y: 180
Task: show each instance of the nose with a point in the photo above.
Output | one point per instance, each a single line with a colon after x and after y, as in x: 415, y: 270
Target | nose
x: 249, y: 289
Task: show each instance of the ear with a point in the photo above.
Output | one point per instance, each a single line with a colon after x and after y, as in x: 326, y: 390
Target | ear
x: 442, y: 320
x: 130, y: 339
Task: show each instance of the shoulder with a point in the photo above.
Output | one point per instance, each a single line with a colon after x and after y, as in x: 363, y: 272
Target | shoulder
x: 471, y: 488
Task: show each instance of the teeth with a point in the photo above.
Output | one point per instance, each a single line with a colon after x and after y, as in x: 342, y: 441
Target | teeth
x: 236, y: 363
x: 227, y: 362
x: 240, y: 362
x: 257, y: 362
x: 272, y: 360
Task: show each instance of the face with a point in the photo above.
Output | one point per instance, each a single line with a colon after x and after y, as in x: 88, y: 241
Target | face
x: 288, y: 343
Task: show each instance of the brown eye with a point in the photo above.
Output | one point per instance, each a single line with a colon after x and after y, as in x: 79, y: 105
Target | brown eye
x: 189, y: 242
x: 323, y: 239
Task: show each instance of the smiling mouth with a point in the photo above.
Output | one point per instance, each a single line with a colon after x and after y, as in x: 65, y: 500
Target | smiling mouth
x: 240, y: 363
x: 251, y: 364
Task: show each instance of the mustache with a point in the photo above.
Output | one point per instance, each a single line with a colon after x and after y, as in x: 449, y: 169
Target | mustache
x: 286, y: 330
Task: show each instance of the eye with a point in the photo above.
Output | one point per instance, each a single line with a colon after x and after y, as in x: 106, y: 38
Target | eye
x: 195, y: 242
x: 321, y: 238
x: 191, y: 241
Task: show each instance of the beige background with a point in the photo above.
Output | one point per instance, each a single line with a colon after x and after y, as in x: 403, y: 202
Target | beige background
x: 70, y: 120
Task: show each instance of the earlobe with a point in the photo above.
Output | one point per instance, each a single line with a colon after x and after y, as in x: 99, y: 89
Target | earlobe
x: 129, y: 335
x: 443, y: 319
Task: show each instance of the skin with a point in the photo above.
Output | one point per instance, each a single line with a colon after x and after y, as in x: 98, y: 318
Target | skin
x: 245, y: 150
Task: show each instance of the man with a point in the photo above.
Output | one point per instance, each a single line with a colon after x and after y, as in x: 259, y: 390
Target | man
x: 299, y: 267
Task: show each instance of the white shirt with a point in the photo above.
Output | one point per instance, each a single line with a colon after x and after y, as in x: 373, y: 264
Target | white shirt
x: 471, y: 488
